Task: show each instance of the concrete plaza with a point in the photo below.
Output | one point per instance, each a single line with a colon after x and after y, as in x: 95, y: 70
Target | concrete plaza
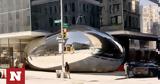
x: 39, y: 77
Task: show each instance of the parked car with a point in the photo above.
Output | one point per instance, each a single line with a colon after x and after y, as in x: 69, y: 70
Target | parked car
x: 144, y: 69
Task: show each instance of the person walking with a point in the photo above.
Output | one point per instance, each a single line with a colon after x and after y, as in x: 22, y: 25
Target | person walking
x: 67, y: 70
x: 0, y: 74
x: 126, y: 69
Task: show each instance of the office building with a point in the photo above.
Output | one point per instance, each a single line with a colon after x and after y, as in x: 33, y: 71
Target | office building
x: 149, y: 20
x: 121, y: 18
x: 120, y: 15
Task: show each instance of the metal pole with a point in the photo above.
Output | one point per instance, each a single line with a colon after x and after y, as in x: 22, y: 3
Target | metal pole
x: 63, y: 69
x: 1, y: 52
x: 20, y: 51
x: 122, y: 15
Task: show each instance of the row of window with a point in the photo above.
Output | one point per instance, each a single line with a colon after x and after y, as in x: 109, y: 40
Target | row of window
x: 15, y: 21
x: 131, y: 22
x: 12, y: 5
x: 51, y: 10
x: 55, y: 9
x: 72, y: 7
x: 116, y: 20
x: 68, y: 7
x: 114, y: 8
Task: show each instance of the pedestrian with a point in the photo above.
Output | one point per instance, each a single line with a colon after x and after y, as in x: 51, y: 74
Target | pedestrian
x: 0, y: 74
x: 67, y: 70
x: 126, y: 69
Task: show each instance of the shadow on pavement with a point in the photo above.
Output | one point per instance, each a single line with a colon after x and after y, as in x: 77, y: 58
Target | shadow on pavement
x: 108, y: 73
x: 121, y: 78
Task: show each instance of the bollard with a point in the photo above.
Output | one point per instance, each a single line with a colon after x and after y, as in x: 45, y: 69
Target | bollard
x: 58, y: 72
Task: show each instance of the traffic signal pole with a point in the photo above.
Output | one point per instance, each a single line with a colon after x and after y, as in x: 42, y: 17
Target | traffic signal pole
x: 61, y: 44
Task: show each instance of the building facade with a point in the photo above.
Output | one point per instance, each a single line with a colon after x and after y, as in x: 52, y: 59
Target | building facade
x: 120, y: 15
x: 39, y: 15
x: 149, y: 20
x: 82, y: 12
x: 121, y: 18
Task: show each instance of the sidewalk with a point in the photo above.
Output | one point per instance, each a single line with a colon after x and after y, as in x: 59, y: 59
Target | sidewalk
x: 39, y: 77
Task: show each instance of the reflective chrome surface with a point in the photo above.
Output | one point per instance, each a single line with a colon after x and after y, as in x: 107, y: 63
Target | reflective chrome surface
x: 83, y: 45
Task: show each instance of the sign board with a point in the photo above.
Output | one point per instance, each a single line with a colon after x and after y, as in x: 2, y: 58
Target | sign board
x: 15, y: 76
x: 65, y: 25
x: 57, y: 21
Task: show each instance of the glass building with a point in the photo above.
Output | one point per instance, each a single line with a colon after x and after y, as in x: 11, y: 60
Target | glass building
x: 14, y: 16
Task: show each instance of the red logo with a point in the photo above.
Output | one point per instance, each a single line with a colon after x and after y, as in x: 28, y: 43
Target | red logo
x: 15, y: 76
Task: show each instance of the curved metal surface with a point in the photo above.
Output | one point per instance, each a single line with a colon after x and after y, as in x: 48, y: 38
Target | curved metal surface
x: 86, y: 50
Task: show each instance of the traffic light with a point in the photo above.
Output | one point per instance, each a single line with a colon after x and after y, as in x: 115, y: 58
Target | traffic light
x: 64, y: 33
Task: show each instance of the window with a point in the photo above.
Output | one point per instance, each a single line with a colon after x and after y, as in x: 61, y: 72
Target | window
x: 55, y: 9
x: 51, y: 22
x: 84, y: 9
x: 66, y: 19
x: 129, y: 5
x: 73, y: 20
x: 119, y: 19
x: 110, y: 9
x: 113, y: 20
x: 87, y: 8
x: 46, y: 11
x: 9, y: 16
x: 116, y: 20
x: 50, y: 9
x: 65, y: 8
x: 115, y: 8
x: 80, y: 20
x: 125, y: 21
x: 129, y: 20
x: 73, y: 7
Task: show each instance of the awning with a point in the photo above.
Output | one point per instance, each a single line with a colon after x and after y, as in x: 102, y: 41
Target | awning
x: 23, y: 35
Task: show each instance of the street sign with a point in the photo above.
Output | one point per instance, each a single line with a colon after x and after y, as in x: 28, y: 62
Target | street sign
x: 66, y: 25
x: 57, y: 21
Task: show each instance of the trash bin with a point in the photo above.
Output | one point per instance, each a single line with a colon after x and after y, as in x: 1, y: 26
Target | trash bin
x: 58, y: 73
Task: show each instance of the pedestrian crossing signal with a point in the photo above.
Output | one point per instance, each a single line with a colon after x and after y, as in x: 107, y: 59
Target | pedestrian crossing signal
x: 64, y: 33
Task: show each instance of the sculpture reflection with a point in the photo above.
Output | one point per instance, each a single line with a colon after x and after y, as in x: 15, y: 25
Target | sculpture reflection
x: 86, y: 49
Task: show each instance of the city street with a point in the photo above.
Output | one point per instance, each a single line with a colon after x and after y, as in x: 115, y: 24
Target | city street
x: 39, y: 77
